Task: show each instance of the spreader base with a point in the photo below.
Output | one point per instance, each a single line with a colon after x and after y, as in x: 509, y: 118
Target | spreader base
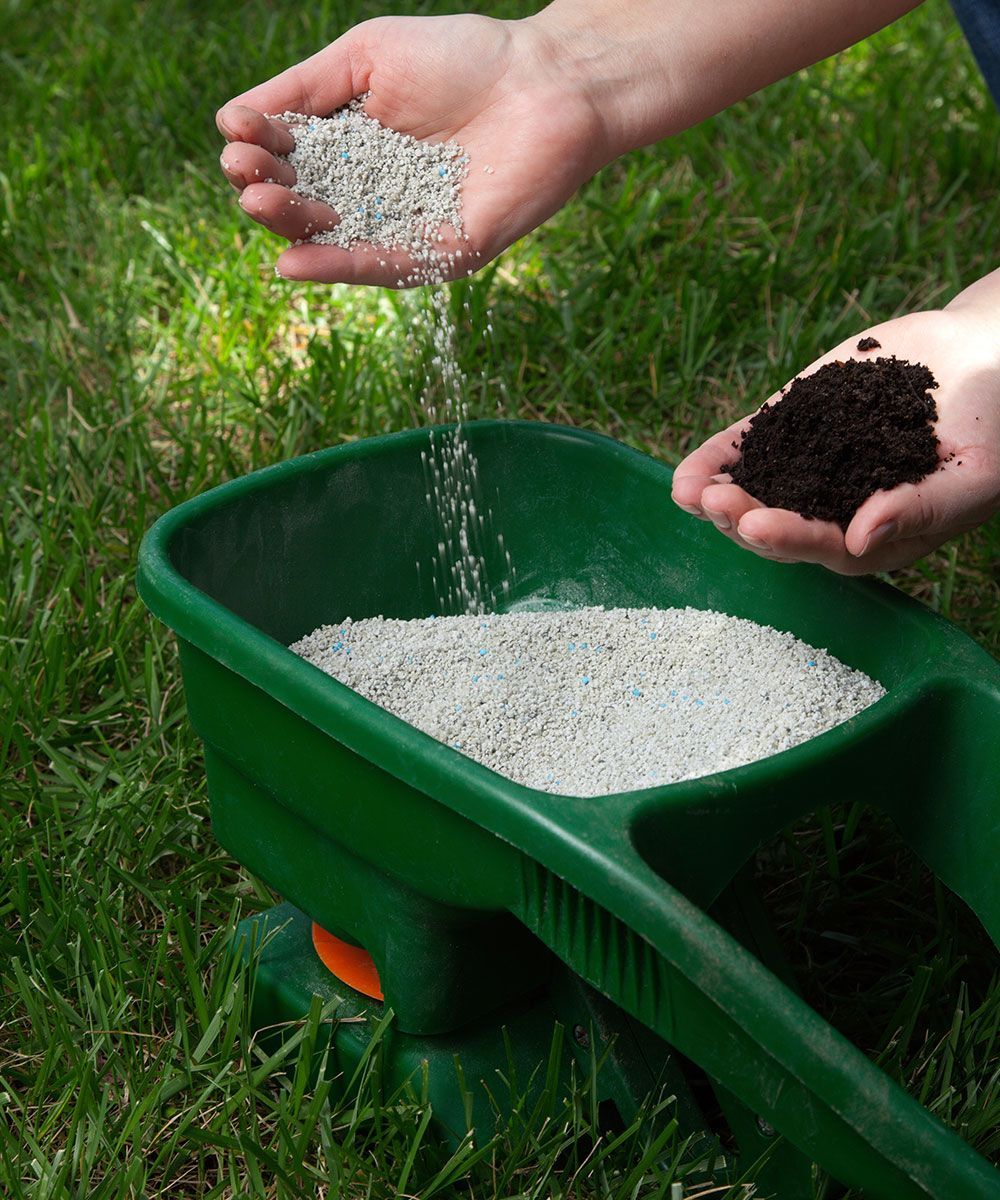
x: 519, y: 1060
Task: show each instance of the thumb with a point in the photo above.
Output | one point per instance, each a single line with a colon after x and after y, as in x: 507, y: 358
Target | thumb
x: 952, y: 498
x: 317, y: 85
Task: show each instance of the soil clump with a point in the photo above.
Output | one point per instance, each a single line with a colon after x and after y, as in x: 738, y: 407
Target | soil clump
x: 839, y: 435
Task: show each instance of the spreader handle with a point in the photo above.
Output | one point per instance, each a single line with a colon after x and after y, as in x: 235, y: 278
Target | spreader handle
x: 661, y: 958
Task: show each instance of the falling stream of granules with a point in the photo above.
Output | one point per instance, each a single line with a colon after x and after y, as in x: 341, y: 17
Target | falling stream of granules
x: 395, y: 193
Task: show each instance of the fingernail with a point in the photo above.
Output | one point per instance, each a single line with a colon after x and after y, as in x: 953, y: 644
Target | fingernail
x: 252, y: 210
x: 718, y: 519
x: 878, y: 537
x: 753, y: 541
x: 695, y: 512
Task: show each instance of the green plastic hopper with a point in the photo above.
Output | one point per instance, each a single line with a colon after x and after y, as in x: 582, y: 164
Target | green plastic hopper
x: 493, y: 911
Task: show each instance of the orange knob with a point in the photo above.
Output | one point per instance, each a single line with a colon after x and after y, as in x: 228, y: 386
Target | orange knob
x: 350, y: 964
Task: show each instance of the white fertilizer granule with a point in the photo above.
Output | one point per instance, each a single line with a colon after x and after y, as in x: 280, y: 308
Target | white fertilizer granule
x: 388, y: 188
x: 396, y: 193
x: 594, y: 700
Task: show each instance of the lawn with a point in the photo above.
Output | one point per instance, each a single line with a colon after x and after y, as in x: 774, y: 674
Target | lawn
x: 148, y: 352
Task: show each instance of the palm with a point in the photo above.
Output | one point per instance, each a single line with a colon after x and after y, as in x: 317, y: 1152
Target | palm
x: 913, y: 518
x: 479, y: 82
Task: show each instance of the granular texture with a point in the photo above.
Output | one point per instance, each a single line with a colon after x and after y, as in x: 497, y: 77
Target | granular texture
x: 388, y: 188
x: 593, y: 701
x: 839, y: 435
x: 396, y: 193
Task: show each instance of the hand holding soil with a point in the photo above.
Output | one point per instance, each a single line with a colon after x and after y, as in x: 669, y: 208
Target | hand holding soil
x: 891, y: 528
x: 532, y: 137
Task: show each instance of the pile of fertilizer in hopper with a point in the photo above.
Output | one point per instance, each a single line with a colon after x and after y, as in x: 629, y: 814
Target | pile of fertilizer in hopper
x: 593, y: 701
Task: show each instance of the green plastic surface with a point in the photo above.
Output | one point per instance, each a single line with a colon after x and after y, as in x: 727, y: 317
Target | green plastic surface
x: 481, y: 1075
x: 454, y: 878
x: 541, y: 1034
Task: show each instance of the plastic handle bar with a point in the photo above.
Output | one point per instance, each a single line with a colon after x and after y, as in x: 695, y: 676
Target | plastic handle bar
x: 673, y: 968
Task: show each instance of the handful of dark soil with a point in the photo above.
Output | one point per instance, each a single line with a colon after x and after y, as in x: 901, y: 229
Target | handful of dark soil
x: 838, y: 435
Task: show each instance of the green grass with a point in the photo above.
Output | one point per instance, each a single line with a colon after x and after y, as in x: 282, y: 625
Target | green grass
x: 148, y: 352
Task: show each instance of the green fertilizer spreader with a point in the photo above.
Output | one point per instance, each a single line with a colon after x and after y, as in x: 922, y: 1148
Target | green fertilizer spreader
x: 487, y: 913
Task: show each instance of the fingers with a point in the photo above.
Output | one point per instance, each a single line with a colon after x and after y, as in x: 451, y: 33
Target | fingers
x: 286, y: 213
x: 780, y: 535
x: 363, y: 264
x: 961, y: 493
x: 297, y: 219
x: 239, y: 123
x: 778, y: 531
x: 244, y: 164
x: 703, y: 467
x: 785, y: 537
x: 922, y: 520
x: 709, y: 458
x: 687, y: 492
x: 725, y: 505
x: 332, y: 264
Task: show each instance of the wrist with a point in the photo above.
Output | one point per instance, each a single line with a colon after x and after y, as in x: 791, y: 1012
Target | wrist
x: 652, y: 68
x: 610, y: 57
x: 978, y: 308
